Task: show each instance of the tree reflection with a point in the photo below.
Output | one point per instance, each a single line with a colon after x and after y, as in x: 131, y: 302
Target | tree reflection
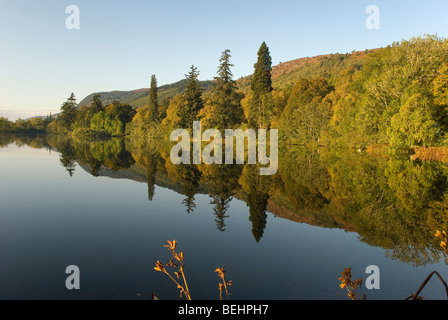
x: 257, y: 189
x: 151, y: 174
x: 391, y: 201
x: 222, y: 183
x: 110, y: 154
x: 68, y: 156
x: 190, y: 176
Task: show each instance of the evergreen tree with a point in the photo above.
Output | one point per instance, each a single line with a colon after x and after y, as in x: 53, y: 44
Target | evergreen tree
x: 68, y: 114
x: 96, y: 105
x: 261, y: 82
x: 262, y: 103
x: 226, y: 100
x: 153, y: 110
x: 193, y: 100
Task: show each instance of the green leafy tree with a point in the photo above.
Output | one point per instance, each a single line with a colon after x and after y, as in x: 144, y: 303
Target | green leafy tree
x: 440, y: 92
x: 86, y: 113
x: 104, y: 122
x: 413, y: 124
x: 307, y: 111
x: 82, y: 118
x: 393, y: 75
x: 113, y: 119
x: 6, y: 126
x: 123, y: 112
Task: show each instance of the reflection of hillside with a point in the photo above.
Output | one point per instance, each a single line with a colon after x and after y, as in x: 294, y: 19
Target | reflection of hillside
x: 138, y: 174
x: 281, y: 208
x: 383, y: 199
x: 391, y: 202
x: 278, y: 207
x: 107, y: 172
x: 38, y: 141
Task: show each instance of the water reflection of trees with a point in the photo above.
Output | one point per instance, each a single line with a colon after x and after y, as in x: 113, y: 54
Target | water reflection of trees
x: 189, y: 176
x: 222, y: 183
x: 257, y: 189
x: 386, y: 201
x: 151, y: 170
x: 68, y: 156
x: 108, y: 154
x: 38, y: 141
x: 390, y: 201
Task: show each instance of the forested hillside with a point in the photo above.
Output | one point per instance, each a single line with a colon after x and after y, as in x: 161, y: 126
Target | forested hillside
x: 326, y: 66
x: 395, y: 96
x: 284, y: 74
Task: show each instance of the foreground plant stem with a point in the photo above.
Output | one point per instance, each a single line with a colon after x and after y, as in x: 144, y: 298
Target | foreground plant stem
x: 180, y: 258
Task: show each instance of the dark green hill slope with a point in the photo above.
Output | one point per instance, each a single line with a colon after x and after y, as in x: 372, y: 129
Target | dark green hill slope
x: 138, y: 98
x: 283, y: 75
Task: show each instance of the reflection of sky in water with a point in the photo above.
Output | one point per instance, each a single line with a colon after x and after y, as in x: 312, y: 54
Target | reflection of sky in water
x: 107, y: 227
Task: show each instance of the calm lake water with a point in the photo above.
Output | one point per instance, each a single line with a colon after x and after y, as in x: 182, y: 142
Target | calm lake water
x: 109, y: 207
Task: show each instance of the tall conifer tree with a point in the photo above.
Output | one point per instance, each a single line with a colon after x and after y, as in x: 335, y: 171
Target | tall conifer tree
x: 193, y: 100
x: 262, y: 103
x: 153, y: 109
x: 68, y: 114
x: 225, y: 97
x: 96, y: 105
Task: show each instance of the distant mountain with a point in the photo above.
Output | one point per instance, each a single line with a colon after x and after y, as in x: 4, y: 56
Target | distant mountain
x: 13, y: 115
x: 138, y: 98
x: 283, y: 75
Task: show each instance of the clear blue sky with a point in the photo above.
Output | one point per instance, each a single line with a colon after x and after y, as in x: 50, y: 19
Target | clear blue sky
x: 121, y: 43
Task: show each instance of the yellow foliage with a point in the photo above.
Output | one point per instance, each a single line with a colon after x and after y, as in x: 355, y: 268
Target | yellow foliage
x: 172, y: 117
x: 206, y: 115
x: 245, y: 103
x: 52, y: 126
